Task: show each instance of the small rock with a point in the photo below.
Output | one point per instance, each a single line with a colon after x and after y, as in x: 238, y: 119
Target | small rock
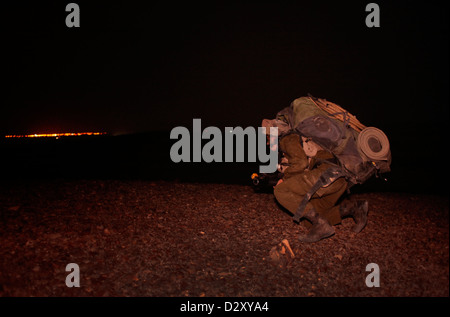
x: 281, y: 254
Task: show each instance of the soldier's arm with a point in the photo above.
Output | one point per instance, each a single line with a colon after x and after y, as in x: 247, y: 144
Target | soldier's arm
x: 290, y: 145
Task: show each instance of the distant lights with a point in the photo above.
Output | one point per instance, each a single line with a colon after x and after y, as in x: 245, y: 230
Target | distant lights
x: 53, y: 135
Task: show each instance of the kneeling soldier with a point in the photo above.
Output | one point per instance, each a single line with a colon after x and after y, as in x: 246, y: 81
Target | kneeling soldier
x: 307, y: 162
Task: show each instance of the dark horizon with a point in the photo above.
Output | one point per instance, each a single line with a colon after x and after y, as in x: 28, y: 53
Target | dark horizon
x: 133, y: 157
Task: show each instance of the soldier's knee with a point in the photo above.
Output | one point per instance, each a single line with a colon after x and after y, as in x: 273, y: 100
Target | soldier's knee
x: 280, y: 192
x: 276, y: 191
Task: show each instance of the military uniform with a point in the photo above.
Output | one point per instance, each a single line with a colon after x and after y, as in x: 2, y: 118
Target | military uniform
x: 301, y: 175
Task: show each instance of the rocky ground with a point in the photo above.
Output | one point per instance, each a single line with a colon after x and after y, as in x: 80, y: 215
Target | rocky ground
x: 143, y: 238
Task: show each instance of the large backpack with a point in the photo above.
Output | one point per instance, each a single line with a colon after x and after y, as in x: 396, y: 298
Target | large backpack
x: 360, y: 151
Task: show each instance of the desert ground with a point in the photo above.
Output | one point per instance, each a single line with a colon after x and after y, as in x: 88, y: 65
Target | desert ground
x: 175, y: 239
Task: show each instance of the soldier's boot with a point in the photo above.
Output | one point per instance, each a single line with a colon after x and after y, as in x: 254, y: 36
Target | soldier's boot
x: 358, y: 210
x: 320, y: 229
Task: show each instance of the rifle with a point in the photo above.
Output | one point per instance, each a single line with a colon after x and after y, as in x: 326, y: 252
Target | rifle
x: 264, y: 182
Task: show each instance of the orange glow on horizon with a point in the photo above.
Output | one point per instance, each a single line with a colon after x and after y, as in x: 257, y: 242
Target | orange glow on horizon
x: 53, y: 135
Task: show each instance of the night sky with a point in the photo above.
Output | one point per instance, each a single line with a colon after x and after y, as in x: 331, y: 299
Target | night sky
x: 137, y: 68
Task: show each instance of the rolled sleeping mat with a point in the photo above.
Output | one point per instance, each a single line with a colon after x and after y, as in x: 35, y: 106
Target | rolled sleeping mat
x: 374, y: 144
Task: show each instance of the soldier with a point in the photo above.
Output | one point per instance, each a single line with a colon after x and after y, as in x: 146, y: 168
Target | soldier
x: 345, y: 153
x: 307, y: 161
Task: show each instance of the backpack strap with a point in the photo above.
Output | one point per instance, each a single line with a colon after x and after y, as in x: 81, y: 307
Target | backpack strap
x: 328, y: 177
